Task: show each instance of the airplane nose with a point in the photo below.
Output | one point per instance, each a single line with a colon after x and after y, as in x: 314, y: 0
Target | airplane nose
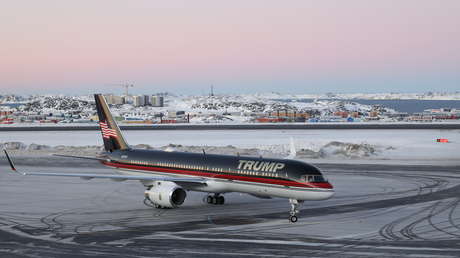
x: 325, y: 185
x: 330, y: 194
x: 328, y: 190
x: 325, y: 194
x: 328, y: 186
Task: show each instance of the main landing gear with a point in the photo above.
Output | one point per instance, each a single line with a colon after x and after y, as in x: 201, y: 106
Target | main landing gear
x: 215, y: 199
x: 295, y: 204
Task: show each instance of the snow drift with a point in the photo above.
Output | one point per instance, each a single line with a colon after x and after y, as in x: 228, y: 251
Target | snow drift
x: 334, y: 149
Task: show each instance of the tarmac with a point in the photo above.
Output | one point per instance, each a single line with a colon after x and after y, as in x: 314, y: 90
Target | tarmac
x: 378, y: 211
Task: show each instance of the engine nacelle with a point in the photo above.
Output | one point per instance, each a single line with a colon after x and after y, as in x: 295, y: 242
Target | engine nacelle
x: 166, y: 194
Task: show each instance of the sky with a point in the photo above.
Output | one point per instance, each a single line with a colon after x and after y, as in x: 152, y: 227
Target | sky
x: 239, y: 46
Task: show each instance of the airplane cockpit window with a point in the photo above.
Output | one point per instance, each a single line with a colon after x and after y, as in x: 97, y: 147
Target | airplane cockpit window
x: 313, y: 179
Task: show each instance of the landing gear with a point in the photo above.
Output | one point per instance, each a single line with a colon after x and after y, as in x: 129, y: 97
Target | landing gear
x: 215, y: 199
x: 295, y: 204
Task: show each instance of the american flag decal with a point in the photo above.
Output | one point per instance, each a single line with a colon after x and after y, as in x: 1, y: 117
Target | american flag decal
x: 106, y: 131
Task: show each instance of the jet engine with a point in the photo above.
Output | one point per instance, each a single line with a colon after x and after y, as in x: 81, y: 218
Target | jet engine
x: 165, y: 194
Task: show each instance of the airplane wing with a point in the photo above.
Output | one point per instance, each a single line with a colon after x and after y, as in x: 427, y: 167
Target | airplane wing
x: 261, y: 196
x: 114, y: 177
x: 79, y: 157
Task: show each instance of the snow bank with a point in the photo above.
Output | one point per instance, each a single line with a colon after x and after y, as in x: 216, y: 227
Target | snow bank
x: 341, y: 150
x: 416, y: 145
x: 333, y: 149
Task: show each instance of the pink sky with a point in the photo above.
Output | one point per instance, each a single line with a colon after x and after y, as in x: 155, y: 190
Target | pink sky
x: 301, y: 46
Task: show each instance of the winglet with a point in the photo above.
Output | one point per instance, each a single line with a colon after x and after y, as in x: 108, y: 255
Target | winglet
x: 11, y: 163
x: 292, y: 150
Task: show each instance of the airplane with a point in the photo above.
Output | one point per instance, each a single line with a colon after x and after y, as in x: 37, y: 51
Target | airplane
x: 168, y: 175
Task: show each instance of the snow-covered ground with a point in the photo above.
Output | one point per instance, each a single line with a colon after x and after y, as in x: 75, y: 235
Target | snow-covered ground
x: 222, y: 108
x: 317, y: 145
x: 262, y: 103
x: 202, y: 109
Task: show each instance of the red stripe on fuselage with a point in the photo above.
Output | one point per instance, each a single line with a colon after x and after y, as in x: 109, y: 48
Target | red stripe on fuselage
x: 220, y: 176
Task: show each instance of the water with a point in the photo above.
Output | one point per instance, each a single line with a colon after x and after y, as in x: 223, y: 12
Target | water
x: 407, y: 105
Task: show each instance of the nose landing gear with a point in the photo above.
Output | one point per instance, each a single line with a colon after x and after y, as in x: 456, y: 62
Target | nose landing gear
x: 215, y: 199
x: 295, y: 204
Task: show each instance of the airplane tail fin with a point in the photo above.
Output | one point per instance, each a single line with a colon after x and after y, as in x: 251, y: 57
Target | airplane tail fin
x: 111, y: 134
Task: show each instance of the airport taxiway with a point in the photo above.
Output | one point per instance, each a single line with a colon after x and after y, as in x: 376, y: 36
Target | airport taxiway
x: 378, y: 210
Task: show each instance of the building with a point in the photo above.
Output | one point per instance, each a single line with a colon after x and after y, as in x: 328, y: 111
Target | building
x: 128, y: 99
x: 157, y: 101
x: 138, y: 101
x: 421, y: 117
x: 114, y: 100
x: 147, y: 100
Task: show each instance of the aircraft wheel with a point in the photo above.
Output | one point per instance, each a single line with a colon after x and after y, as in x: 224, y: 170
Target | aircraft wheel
x: 209, y: 199
x: 293, y: 219
x: 220, y: 200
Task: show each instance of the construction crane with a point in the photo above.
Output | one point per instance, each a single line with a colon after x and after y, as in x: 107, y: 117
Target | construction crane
x: 125, y: 85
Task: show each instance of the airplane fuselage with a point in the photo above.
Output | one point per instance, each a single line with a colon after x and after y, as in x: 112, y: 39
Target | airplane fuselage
x: 225, y: 173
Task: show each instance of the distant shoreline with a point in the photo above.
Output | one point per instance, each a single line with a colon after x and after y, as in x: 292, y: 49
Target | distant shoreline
x: 274, y: 126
